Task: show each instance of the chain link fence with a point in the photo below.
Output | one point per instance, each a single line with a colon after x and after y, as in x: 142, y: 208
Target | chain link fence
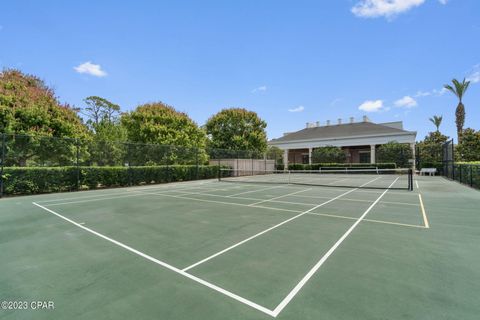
x: 40, y: 164
x: 465, y: 173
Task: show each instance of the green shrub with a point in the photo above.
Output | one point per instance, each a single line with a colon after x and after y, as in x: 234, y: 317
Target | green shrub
x: 329, y: 154
x: 32, y: 180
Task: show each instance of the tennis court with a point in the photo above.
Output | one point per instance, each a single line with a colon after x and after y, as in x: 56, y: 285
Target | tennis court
x: 224, y: 250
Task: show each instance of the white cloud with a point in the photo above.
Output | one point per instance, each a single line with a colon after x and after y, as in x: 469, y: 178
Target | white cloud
x: 440, y: 92
x: 260, y: 89
x: 443, y: 1
x: 371, y: 106
x: 385, y: 8
x: 406, y: 102
x: 422, y: 94
x: 433, y: 92
x: 91, y: 69
x: 297, y: 109
x: 474, y: 77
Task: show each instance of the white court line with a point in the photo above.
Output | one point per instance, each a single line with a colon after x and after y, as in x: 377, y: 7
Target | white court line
x: 93, y: 196
x: 282, y: 209
x: 254, y: 305
x: 279, y: 197
x: 416, y: 182
x: 93, y: 199
x: 175, y: 183
x: 163, y: 264
x: 250, y: 191
x: 424, y: 214
x: 269, y: 229
x: 121, y: 189
x: 291, y: 202
x: 317, y: 266
x: 368, y: 220
x: 220, y: 202
x: 119, y: 196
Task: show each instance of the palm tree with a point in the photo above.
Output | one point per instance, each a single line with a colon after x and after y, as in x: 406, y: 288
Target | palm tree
x: 459, y: 89
x: 437, y: 121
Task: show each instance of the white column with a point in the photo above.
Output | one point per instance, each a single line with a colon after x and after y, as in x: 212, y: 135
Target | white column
x: 372, y: 153
x: 285, y: 159
x: 309, y: 155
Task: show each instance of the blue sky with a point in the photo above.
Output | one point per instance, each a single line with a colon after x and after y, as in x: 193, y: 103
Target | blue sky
x: 290, y: 61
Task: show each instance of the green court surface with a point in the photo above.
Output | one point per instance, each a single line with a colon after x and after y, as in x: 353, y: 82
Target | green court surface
x: 220, y: 250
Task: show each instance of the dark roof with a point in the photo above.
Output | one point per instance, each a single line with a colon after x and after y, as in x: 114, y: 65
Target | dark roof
x: 340, y: 131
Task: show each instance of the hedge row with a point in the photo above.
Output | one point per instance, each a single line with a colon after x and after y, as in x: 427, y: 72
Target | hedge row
x: 31, y: 180
x: 317, y: 166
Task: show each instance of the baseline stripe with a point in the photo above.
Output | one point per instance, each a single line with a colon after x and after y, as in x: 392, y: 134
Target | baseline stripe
x: 317, y: 266
x: 163, y: 264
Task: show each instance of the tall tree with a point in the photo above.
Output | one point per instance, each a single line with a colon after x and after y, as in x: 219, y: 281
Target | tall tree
x: 100, y: 110
x: 469, y: 149
x: 459, y: 89
x: 105, y: 147
x: 44, y: 128
x: 437, y: 121
x: 237, y: 129
x: 430, y: 150
x: 163, y: 135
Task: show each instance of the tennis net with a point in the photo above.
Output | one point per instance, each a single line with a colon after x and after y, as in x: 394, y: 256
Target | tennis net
x: 346, y: 178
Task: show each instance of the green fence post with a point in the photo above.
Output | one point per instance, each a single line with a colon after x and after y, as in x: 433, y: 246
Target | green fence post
x: 265, y: 163
x: 3, y: 164
x: 219, y: 166
x: 252, y: 162
x: 471, y: 176
x: 196, y: 162
x: 129, y: 163
x: 77, y: 145
x: 453, y: 160
x: 237, y: 156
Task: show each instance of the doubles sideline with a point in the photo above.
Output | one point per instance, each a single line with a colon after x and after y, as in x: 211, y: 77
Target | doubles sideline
x: 291, y: 294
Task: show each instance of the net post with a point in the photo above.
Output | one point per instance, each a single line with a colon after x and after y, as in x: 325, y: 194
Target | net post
x: 410, y: 179
x: 3, y: 163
